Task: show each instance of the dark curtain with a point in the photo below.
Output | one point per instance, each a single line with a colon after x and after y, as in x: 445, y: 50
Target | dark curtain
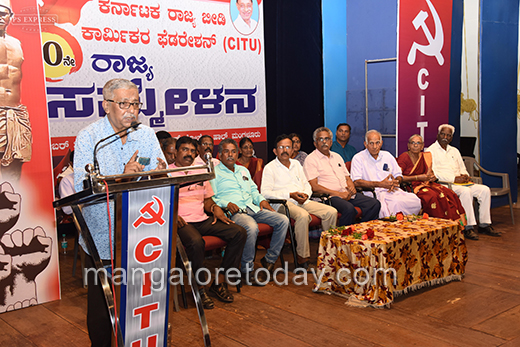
x: 294, y: 69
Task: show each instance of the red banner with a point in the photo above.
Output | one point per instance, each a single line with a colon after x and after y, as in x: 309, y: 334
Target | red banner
x: 423, y: 69
x: 28, y: 242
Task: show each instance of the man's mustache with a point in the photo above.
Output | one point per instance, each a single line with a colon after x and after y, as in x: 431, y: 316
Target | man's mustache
x: 188, y: 157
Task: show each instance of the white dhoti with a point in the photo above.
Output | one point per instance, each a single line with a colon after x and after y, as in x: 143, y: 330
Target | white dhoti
x: 483, y: 195
x: 397, y: 201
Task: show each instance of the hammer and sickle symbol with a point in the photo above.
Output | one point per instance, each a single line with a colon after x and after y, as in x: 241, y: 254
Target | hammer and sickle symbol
x: 434, y: 47
x: 155, y: 217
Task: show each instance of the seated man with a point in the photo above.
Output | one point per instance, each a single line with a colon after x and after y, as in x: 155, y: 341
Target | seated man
x: 341, y: 145
x: 327, y: 174
x: 374, y: 168
x: 448, y: 166
x: 168, y: 148
x: 205, y: 145
x: 193, y: 223
x: 235, y: 190
x: 283, y: 178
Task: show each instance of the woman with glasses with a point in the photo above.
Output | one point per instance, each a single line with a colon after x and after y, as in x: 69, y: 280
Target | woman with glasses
x: 437, y: 200
x: 297, y: 144
x: 247, y: 157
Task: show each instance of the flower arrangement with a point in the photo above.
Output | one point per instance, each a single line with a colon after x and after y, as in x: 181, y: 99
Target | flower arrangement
x: 399, y: 216
x: 350, y: 231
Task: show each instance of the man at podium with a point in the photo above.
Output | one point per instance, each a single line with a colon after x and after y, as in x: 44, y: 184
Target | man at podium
x: 193, y: 223
x: 115, y: 155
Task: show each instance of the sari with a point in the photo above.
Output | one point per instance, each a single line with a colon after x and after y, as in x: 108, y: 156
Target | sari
x: 437, y: 200
x: 255, y: 165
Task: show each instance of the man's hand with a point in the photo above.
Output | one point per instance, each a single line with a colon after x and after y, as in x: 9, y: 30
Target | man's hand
x: 299, y: 197
x: 343, y: 195
x: 161, y: 165
x: 9, y: 207
x: 462, y: 179
x: 232, y: 208
x: 181, y: 222
x: 265, y: 204
x: 220, y: 215
x: 389, y: 183
x: 133, y: 165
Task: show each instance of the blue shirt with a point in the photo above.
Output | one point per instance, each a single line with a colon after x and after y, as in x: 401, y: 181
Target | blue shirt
x: 236, y: 187
x: 112, y: 159
x: 346, y: 152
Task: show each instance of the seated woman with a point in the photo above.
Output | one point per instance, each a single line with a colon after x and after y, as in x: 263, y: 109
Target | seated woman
x: 437, y: 200
x: 297, y: 143
x: 247, y: 158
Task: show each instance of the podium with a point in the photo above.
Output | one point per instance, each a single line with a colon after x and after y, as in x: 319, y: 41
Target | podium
x: 145, y: 244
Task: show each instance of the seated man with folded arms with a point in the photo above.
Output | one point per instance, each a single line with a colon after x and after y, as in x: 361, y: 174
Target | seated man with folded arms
x: 283, y: 178
x: 374, y: 168
x: 193, y: 223
x: 448, y: 166
x: 235, y: 190
x: 205, y: 145
x: 327, y: 174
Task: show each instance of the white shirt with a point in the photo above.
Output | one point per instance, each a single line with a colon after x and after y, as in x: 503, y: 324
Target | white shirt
x: 446, y: 164
x: 365, y: 167
x: 242, y: 26
x: 278, y: 181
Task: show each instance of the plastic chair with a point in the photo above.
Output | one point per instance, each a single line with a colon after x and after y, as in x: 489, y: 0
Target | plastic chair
x: 472, y: 166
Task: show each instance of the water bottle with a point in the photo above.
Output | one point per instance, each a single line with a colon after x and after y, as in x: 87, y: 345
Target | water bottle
x: 64, y: 244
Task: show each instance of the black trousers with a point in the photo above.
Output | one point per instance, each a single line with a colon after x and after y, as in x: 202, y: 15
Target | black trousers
x: 98, y: 318
x: 369, y: 206
x: 191, y: 237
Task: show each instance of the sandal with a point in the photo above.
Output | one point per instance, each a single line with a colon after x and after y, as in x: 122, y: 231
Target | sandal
x: 221, y: 292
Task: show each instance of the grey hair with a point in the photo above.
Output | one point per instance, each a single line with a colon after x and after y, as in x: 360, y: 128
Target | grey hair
x: 371, y: 132
x: 319, y: 130
x: 449, y: 126
x: 225, y: 142
x: 416, y: 135
x: 117, y: 83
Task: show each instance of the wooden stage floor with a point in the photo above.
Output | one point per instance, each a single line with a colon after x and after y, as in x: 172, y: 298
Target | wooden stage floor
x: 481, y: 310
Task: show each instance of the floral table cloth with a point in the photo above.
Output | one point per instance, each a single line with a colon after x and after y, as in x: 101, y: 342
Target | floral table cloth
x: 399, y: 257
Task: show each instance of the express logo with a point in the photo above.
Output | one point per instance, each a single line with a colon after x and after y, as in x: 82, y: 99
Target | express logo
x: 149, y: 215
x: 435, y: 44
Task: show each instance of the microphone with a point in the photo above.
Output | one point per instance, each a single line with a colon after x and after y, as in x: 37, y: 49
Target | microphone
x: 134, y: 125
x: 207, y: 156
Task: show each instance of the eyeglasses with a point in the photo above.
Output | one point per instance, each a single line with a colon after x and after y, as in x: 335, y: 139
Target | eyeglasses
x: 284, y: 147
x: 206, y: 144
x: 297, y: 141
x: 324, y: 139
x: 125, y: 105
x: 415, y: 143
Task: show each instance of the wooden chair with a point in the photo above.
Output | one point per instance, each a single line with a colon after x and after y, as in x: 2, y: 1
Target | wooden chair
x: 474, y: 170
